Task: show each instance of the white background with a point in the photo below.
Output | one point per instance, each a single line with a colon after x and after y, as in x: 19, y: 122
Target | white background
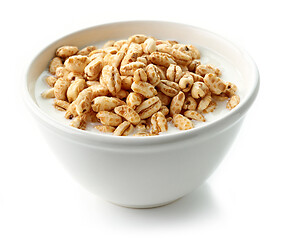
x: 38, y: 199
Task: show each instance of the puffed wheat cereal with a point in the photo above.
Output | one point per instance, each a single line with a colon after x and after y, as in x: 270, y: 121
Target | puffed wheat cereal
x: 174, y: 73
x: 144, y: 88
x: 60, y: 89
x: 50, y: 80
x: 214, y: 83
x: 190, y: 103
x: 110, y: 78
x: 137, y: 86
x: 105, y: 129
x: 177, y: 103
x: 66, y: 51
x: 61, y: 105
x: 76, y: 63
x: 159, y: 123
x: 54, y: 64
x: 162, y: 59
x: 199, y: 90
x: 124, y: 129
x: 211, y: 107
x: 204, y: 102
x: 134, y: 99
x: 149, y: 46
x: 75, y: 88
x: 194, y: 115
x: 152, y: 74
x: 140, y: 75
x: 79, y: 122
x: 148, y: 107
x: 128, y: 113
x: 49, y: 93
x: 186, y: 82
x: 169, y: 88
x: 233, y: 102
x: 105, y: 103
x: 109, y: 118
x: 202, y: 70
x: 181, y: 122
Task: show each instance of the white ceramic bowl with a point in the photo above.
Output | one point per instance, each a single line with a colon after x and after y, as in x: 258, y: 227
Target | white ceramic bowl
x: 149, y: 171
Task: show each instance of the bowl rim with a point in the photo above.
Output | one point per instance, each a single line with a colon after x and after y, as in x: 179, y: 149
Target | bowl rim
x: 222, y: 123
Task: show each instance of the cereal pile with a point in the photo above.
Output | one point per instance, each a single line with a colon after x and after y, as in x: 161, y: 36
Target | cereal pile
x: 136, y: 86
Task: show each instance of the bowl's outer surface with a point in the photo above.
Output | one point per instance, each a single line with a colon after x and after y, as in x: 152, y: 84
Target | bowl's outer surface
x: 142, y: 176
x: 144, y: 172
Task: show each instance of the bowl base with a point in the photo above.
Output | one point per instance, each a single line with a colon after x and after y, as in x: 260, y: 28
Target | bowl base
x: 146, y: 206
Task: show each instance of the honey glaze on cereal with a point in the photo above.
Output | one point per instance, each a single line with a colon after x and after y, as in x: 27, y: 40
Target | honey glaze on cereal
x: 141, y: 86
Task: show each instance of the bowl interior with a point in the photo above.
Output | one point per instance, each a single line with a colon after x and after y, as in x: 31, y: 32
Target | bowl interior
x: 161, y: 30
